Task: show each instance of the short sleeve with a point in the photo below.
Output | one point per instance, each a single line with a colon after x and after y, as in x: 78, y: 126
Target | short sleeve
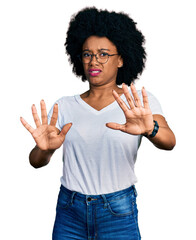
x: 58, y: 123
x: 155, y: 106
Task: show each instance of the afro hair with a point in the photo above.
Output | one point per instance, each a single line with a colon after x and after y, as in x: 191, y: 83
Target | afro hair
x: 119, y: 28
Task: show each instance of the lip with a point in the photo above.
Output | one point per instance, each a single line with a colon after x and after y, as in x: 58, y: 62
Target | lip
x: 94, y: 72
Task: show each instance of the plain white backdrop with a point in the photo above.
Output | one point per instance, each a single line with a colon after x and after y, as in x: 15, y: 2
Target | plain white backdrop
x: 34, y: 66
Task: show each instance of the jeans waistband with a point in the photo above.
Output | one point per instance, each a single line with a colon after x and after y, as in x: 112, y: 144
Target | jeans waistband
x: 99, y: 198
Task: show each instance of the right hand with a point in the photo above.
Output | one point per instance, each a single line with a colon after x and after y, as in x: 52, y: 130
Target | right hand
x: 47, y: 137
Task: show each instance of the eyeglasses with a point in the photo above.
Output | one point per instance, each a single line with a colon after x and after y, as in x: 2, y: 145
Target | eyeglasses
x: 101, y: 57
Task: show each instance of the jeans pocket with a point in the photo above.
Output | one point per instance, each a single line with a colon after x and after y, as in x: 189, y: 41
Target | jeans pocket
x: 122, y: 206
x: 63, y: 200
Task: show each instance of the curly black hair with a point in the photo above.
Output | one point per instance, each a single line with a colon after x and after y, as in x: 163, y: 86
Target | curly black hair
x: 119, y: 28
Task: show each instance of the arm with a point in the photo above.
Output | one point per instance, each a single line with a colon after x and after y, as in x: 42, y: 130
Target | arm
x: 40, y: 158
x: 139, y: 119
x: 48, y: 138
x: 165, y: 138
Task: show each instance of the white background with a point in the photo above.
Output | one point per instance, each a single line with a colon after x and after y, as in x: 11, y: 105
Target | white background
x: 34, y: 66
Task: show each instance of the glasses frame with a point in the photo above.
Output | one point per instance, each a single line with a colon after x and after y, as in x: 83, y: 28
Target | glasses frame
x: 92, y: 55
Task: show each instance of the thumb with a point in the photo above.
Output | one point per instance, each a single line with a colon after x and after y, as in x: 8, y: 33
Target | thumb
x: 64, y: 130
x: 116, y: 126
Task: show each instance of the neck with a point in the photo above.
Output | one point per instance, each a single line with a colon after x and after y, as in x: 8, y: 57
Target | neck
x: 104, y: 91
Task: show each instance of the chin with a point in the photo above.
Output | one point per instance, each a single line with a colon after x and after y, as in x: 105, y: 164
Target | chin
x: 94, y: 80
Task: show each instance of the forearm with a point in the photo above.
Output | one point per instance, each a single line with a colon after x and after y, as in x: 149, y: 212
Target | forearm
x: 164, y: 139
x: 39, y: 158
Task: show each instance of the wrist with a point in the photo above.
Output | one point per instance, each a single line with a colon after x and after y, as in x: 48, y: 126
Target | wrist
x: 47, y: 153
x: 149, y: 132
x: 153, y: 131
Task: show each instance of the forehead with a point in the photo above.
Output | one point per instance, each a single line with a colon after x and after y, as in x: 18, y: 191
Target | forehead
x: 96, y: 43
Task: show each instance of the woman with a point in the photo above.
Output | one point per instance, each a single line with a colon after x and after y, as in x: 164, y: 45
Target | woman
x: 100, y: 130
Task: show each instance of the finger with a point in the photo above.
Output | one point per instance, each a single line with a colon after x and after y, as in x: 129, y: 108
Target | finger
x: 120, y: 101
x: 26, y: 125
x: 54, y: 115
x: 135, y: 95
x: 128, y: 96
x: 64, y: 131
x: 35, y: 116
x: 145, y: 98
x: 43, y: 112
x: 116, y: 126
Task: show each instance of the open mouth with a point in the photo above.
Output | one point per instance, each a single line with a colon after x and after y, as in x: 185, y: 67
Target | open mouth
x: 94, y: 72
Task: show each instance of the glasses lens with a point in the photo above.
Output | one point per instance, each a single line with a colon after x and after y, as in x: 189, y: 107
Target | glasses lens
x: 86, y: 57
x: 102, y: 57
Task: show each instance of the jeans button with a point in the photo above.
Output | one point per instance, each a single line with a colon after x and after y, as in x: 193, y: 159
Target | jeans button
x: 89, y: 199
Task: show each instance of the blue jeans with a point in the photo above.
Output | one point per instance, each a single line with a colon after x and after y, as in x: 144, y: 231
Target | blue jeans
x: 89, y: 217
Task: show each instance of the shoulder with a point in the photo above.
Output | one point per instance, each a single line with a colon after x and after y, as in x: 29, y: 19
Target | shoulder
x: 150, y: 95
x: 139, y: 92
x: 65, y: 100
x: 154, y: 103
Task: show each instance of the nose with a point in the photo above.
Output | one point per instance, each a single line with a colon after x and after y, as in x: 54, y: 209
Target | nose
x: 94, y: 60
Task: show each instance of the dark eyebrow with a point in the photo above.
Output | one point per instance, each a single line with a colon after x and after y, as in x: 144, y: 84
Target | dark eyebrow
x: 85, y: 50
x: 104, y: 49
x: 98, y: 50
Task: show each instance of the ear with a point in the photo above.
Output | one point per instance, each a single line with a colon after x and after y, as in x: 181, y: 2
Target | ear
x: 120, y: 62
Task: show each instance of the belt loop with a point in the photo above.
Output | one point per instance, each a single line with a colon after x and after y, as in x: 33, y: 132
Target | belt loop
x: 72, y: 196
x: 105, y: 201
x: 134, y: 189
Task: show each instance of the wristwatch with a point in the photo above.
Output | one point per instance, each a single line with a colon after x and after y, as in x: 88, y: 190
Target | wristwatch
x: 155, y: 130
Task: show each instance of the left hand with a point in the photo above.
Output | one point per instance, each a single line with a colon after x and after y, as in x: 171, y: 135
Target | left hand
x: 139, y: 119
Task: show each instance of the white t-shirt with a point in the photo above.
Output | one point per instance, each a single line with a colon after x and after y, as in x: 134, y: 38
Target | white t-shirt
x: 97, y: 159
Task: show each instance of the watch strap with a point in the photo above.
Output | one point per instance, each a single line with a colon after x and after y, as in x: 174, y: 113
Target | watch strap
x: 155, y: 130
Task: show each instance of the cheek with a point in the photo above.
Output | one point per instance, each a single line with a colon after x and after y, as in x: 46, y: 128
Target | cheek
x: 112, y: 67
x: 115, y: 63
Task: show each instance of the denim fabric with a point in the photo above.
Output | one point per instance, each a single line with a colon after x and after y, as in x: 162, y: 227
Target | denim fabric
x: 89, y: 217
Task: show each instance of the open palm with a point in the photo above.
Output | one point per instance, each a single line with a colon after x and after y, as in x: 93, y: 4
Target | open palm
x: 139, y: 119
x: 46, y: 136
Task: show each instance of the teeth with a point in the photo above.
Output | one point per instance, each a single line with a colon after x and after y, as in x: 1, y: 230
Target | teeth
x: 95, y: 71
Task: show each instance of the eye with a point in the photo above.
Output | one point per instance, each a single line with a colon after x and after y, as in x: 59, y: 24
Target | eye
x: 103, y: 54
x: 86, y: 55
